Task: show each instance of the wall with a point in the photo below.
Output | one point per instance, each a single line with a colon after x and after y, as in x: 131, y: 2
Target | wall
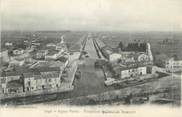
x: 133, y: 72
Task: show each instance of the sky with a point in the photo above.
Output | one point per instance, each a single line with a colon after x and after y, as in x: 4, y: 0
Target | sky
x: 99, y: 15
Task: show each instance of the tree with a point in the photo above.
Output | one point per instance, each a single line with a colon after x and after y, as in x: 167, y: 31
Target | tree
x: 10, y: 52
x: 121, y: 46
x: 175, y: 56
x: 160, y: 60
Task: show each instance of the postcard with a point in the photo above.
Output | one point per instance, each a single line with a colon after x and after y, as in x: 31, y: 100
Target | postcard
x: 91, y: 58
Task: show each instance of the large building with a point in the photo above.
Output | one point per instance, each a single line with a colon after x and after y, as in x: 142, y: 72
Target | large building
x: 59, y: 51
x: 26, y: 80
x: 123, y: 72
x: 133, y: 72
x: 133, y: 61
x: 129, y: 55
x: 43, y: 79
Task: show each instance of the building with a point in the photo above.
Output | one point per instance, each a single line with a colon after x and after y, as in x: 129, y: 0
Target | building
x: 132, y: 62
x: 106, y: 51
x: 15, y: 62
x: 18, y: 51
x: 50, y: 45
x: 43, y: 79
x: 61, y: 46
x: 130, y: 57
x: 4, y: 56
x: 142, y: 57
x: 41, y: 54
x: 113, y: 57
x: 8, y: 44
x: 173, y: 65
x: 14, y: 86
x: 52, y: 54
x: 27, y: 80
x: 10, y: 82
x: 123, y: 72
x: 35, y: 43
x: 63, y: 60
x: 133, y: 72
x: 149, y: 52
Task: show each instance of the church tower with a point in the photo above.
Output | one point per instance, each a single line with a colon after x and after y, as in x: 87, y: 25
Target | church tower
x: 149, y: 52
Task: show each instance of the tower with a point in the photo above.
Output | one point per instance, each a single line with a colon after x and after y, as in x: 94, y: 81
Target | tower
x: 62, y: 39
x: 149, y: 52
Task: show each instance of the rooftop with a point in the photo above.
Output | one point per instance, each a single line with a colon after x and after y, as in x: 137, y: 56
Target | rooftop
x: 52, y: 52
x: 14, y: 84
x: 29, y: 72
x: 62, y: 59
x: 120, y: 67
x: 43, y: 75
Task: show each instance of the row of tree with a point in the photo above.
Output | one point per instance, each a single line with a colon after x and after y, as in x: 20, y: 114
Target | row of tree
x: 140, y: 47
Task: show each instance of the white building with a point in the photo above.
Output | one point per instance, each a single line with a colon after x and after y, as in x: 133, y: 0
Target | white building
x: 114, y: 57
x: 132, y: 72
x: 149, y: 52
x: 61, y: 46
x: 173, y: 65
x: 143, y: 57
x: 53, y: 54
x: 50, y: 45
x: 8, y: 44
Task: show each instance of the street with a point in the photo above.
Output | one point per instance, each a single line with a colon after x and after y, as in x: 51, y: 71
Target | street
x: 90, y: 49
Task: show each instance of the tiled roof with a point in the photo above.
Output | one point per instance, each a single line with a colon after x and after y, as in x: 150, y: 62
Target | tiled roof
x: 118, y: 67
x: 14, y: 83
x: 52, y: 52
x: 18, y: 71
x: 30, y: 72
x: 46, y: 69
x: 28, y: 75
x: 47, y: 75
x: 62, y: 59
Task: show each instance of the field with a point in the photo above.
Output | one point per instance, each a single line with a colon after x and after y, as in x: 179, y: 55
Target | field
x: 154, y: 38
x: 161, y: 48
x: 42, y: 37
x: 109, y: 38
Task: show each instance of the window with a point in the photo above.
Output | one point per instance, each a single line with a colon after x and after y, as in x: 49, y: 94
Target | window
x: 28, y: 83
x: 43, y: 87
x: 49, y: 80
x: 28, y: 89
x: 56, y: 85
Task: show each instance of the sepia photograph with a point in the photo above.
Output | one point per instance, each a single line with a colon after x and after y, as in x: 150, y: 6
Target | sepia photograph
x: 84, y: 57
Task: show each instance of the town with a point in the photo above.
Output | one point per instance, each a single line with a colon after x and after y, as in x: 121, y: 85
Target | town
x: 36, y: 66
x: 32, y: 71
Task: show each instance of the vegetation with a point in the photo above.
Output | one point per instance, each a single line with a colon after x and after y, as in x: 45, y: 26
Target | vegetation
x: 159, y: 60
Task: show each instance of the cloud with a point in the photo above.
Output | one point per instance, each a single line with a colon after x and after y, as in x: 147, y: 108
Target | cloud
x: 164, y: 15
